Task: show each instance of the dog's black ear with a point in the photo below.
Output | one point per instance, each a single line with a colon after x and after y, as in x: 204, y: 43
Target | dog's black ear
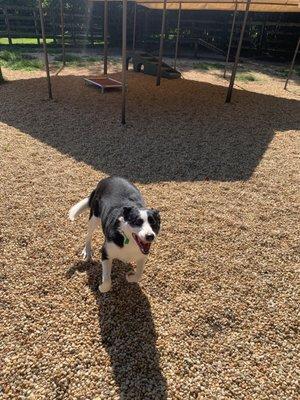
x: 156, y: 216
x: 126, y: 212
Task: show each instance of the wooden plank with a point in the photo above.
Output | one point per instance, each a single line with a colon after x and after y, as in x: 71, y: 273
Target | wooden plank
x: 104, y: 83
x: 20, y: 17
x: 20, y: 8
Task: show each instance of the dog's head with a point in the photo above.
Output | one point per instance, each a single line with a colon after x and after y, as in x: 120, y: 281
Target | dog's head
x: 142, y: 225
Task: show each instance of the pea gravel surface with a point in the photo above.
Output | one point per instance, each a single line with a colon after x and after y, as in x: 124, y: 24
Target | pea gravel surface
x: 216, y: 315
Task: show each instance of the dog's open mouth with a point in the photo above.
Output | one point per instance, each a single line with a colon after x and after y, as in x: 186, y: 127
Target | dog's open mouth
x: 144, y: 246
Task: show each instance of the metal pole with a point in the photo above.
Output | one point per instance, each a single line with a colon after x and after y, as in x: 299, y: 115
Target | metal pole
x: 292, y: 65
x: 177, y: 36
x: 45, y: 49
x: 237, y: 56
x: 124, y: 37
x: 134, y: 28
x: 230, y: 39
x: 105, y: 36
x: 161, y: 45
x: 62, y: 32
x: 1, y: 76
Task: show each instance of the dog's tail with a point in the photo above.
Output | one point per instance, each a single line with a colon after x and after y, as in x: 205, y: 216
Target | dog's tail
x: 78, y: 208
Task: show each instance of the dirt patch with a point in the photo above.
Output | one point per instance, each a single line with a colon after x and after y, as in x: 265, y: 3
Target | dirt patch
x: 215, y: 316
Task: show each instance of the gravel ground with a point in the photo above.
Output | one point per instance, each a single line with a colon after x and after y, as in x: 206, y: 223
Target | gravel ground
x: 216, y: 315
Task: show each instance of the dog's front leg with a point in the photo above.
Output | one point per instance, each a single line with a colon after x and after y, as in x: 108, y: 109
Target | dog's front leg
x: 106, y: 278
x: 137, y: 275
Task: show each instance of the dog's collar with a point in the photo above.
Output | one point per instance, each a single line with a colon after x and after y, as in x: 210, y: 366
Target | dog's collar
x: 125, y: 238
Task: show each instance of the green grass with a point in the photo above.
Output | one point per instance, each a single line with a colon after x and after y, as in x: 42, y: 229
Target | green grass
x: 69, y: 58
x: 245, y: 77
x: 76, y: 60
x: 114, y: 61
x: 53, y: 50
x: 283, y: 72
x: 19, y: 61
x: 99, y: 41
x: 7, y: 147
x: 29, y: 41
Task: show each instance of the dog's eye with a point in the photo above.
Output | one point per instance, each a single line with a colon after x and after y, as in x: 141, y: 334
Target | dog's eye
x: 151, y: 220
x: 139, y: 222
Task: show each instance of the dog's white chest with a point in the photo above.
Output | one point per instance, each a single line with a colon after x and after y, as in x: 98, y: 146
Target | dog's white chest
x: 128, y: 253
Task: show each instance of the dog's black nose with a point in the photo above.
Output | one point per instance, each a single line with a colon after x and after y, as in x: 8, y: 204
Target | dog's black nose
x: 149, y: 237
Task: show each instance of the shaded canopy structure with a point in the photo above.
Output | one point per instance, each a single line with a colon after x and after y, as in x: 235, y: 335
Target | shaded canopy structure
x: 226, y: 5
x: 220, y: 5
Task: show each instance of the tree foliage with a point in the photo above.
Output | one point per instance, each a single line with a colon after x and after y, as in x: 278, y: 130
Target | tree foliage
x: 79, y: 5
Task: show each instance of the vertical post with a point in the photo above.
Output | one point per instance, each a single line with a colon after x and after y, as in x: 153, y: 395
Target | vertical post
x: 237, y: 56
x: 161, y: 45
x: 292, y: 65
x: 73, y: 34
x: 36, y: 28
x: 262, y: 37
x: 105, y: 27
x: 145, y: 30
x: 134, y: 28
x: 45, y: 49
x: 1, y: 76
x: 124, y: 37
x: 177, y: 36
x: 62, y: 23
x: 230, y: 39
x: 53, y: 22
x: 6, y: 17
x: 90, y: 20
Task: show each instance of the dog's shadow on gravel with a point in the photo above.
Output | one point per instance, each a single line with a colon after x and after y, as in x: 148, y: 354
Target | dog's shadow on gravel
x: 127, y: 332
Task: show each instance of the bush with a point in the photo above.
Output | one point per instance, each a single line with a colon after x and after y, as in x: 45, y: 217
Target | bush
x: 18, y: 61
x: 245, y: 77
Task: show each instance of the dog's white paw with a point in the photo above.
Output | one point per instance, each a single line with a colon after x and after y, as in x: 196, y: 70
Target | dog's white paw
x: 105, y: 286
x: 86, y: 254
x: 131, y: 277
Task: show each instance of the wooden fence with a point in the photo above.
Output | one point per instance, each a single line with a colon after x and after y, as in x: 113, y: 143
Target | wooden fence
x: 267, y: 35
x: 24, y: 22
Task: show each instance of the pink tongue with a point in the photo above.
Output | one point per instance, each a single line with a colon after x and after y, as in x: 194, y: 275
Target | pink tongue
x: 145, y: 246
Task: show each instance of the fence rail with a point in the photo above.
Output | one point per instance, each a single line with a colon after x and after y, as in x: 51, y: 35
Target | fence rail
x: 267, y: 34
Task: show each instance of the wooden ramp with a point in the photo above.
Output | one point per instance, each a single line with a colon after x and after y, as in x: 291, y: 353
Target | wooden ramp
x: 104, y: 83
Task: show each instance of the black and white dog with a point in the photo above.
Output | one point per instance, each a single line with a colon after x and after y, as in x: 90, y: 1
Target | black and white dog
x: 128, y: 226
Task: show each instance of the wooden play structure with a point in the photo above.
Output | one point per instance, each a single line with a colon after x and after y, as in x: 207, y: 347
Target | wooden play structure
x: 157, y: 67
x: 147, y: 63
x: 104, y: 83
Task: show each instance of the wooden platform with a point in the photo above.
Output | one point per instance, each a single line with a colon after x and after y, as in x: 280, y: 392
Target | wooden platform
x: 104, y: 83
